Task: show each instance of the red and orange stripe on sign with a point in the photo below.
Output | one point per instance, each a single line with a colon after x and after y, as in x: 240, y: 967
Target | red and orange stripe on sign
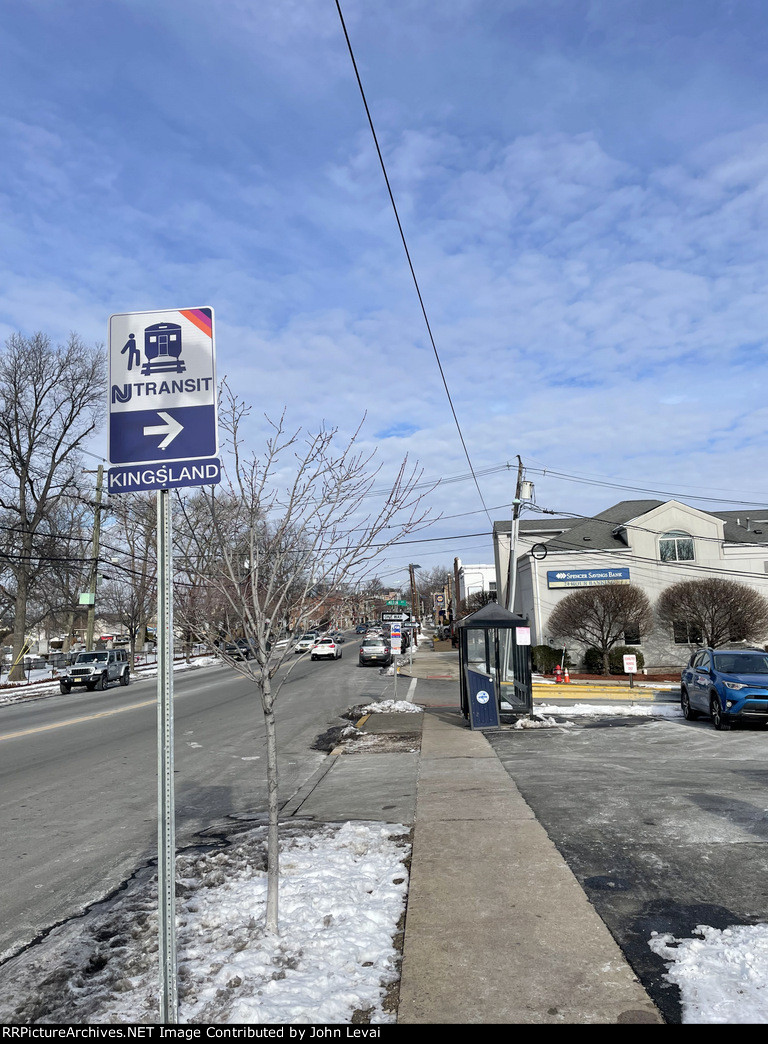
x: 201, y: 317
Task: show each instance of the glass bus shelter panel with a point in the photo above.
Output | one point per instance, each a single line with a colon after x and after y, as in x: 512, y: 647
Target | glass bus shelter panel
x: 478, y: 652
x: 515, y: 672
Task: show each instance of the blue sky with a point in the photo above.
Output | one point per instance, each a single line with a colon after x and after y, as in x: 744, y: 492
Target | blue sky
x: 583, y: 185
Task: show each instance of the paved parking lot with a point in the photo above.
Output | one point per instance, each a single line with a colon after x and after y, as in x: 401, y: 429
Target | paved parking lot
x: 663, y: 822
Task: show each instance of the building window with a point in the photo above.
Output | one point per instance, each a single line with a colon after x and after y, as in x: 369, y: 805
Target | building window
x: 676, y: 546
x: 632, y: 636
x: 492, y: 586
x: 686, y: 633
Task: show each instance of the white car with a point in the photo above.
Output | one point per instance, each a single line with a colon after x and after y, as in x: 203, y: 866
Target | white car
x: 327, y: 648
x: 305, y: 643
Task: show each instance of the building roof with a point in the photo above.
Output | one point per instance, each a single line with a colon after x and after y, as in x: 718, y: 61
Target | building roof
x: 601, y: 532
x: 743, y: 529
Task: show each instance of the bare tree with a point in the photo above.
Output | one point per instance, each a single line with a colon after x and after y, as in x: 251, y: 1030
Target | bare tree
x: 50, y: 401
x: 129, y: 597
x: 289, y: 531
x: 599, y: 616
x: 432, y: 581
x: 476, y: 601
x: 718, y: 610
x: 63, y: 546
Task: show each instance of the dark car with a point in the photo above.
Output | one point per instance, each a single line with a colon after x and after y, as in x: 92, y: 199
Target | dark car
x: 727, y: 685
x: 361, y: 628
x: 375, y: 650
x: 242, y: 649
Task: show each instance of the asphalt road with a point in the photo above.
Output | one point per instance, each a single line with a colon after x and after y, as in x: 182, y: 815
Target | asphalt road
x: 78, y: 777
x: 664, y: 824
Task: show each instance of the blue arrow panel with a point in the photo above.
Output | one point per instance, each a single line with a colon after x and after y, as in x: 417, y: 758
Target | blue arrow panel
x: 129, y: 445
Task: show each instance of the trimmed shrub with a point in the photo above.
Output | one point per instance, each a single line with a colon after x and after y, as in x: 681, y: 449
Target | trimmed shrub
x: 616, y: 658
x: 545, y: 659
x: 593, y: 661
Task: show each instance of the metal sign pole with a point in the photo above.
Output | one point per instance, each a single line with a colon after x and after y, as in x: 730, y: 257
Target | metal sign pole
x: 166, y: 812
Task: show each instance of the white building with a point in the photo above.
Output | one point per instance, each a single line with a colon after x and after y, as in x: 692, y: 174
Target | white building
x: 475, y: 578
x: 650, y: 543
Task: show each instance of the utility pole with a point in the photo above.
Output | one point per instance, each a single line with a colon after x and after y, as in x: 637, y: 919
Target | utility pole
x: 414, y: 598
x: 457, y: 586
x: 94, y: 560
x: 512, y: 578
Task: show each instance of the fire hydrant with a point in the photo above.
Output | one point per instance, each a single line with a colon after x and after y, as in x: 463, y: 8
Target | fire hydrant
x: 558, y: 673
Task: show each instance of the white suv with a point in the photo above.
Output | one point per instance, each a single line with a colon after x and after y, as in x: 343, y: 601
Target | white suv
x: 95, y: 670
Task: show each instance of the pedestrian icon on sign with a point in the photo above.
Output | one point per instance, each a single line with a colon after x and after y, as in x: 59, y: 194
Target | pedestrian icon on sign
x: 134, y: 355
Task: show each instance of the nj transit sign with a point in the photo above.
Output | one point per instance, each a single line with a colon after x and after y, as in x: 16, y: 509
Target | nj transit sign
x: 162, y: 400
x: 586, y: 577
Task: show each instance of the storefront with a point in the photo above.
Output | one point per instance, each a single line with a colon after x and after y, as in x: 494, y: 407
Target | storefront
x: 649, y: 543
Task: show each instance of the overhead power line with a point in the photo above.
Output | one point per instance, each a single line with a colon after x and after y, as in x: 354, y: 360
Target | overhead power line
x: 408, y: 255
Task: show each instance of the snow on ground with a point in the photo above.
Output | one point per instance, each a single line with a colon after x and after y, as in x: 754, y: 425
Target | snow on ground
x: 342, y: 896
x: 392, y: 707
x: 645, y: 709
x: 542, y: 723
x: 722, y: 975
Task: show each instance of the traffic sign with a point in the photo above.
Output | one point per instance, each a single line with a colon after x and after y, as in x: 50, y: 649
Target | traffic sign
x: 393, y: 617
x: 162, y: 400
x: 397, y: 601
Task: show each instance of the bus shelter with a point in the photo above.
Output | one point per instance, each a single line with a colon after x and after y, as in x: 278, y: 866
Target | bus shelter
x: 494, y: 666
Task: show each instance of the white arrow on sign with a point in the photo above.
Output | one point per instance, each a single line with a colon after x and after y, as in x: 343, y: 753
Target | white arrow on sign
x: 170, y: 429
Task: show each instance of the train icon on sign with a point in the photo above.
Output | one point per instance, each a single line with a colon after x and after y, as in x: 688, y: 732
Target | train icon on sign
x: 162, y: 348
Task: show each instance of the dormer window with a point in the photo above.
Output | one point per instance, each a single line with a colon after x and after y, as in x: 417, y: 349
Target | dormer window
x: 676, y: 546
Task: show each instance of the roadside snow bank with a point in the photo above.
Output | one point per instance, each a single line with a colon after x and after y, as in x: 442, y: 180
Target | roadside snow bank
x: 342, y: 894
x: 392, y: 707
x: 647, y: 710
x: 722, y: 975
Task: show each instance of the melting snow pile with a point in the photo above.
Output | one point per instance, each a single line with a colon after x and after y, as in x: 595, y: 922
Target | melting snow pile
x: 722, y: 975
x: 639, y: 710
x: 392, y: 707
x: 342, y: 894
x: 542, y: 723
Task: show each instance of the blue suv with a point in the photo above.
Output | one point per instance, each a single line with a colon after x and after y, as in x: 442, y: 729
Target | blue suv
x: 728, y: 685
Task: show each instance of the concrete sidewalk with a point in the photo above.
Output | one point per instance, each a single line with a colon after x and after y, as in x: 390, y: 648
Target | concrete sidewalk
x: 498, y: 930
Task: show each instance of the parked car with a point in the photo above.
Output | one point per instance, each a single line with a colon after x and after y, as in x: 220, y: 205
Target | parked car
x: 374, y: 650
x: 306, y: 642
x: 326, y: 648
x: 95, y: 670
x: 727, y: 685
x: 242, y: 649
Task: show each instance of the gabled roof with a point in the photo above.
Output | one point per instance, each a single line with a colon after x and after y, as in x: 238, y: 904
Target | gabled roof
x: 599, y: 533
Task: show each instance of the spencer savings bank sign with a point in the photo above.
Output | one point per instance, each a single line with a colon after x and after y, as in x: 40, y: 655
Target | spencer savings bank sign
x: 586, y: 577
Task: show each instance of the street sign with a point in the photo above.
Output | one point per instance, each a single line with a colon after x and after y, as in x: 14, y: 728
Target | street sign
x: 398, y: 601
x: 162, y: 400
x: 394, y: 617
x: 630, y: 664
